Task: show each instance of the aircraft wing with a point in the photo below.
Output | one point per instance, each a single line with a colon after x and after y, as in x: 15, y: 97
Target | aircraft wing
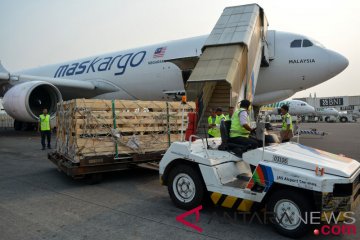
x: 68, y: 87
x: 186, y: 63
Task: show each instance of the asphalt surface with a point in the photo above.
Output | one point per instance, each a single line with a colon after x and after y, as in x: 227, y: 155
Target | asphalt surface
x: 38, y: 202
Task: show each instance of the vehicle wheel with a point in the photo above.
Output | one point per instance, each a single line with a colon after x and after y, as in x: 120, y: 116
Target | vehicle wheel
x: 288, y: 208
x: 186, y: 188
x: 327, y: 119
x: 343, y: 119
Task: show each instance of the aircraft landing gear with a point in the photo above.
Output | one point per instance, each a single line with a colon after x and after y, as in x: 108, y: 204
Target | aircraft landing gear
x: 24, y: 126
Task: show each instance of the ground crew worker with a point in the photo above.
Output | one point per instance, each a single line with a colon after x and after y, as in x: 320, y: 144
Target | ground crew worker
x: 212, y: 124
x: 214, y: 121
x: 220, y: 115
x: 286, y: 132
x: 229, y: 115
x: 240, y: 127
x: 45, y: 128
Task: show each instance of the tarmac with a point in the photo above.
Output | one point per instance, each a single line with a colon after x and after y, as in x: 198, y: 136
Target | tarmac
x: 39, y: 202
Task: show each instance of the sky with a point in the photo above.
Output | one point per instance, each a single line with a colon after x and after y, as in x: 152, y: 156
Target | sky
x: 40, y: 32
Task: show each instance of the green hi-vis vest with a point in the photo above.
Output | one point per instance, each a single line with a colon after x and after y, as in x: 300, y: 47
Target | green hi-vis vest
x: 284, y: 120
x: 44, y: 122
x: 236, y: 129
x: 215, y: 132
x: 227, y: 117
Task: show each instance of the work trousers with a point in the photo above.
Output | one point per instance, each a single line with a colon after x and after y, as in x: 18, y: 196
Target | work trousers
x: 45, y: 134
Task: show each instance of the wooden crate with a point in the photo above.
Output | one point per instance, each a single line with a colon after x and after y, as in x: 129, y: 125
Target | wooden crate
x: 6, y: 121
x: 90, y: 127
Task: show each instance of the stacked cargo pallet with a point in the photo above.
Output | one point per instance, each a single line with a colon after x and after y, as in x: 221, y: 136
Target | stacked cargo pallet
x: 90, y: 128
x: 6, y: 121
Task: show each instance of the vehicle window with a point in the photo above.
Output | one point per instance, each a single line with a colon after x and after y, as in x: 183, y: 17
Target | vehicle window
x: 296, y: 43
x: 307, y: 43
x: 303, y: 104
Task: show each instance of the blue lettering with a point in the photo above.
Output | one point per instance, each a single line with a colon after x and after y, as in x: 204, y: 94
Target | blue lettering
x: 138, y: 62
x: 61, y: 71
x: 92, y: 64
x: 123, y: 61
x: 122, y: 65
x: 71, y: 70
x: 82, y: 68
x: 113, y: 61
x: 104, y: 65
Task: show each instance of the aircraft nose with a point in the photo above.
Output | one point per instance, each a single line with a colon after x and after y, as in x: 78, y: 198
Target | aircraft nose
x: 311, y: 109
x: 337, y: 63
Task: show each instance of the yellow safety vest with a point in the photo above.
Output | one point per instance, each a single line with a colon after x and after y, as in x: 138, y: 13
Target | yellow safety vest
x: 227, y: 117
x: 219, y: 118
x: 211, y: 131
x: 236, y: 129
x: 44, y: 122
x: 215, y: 132
x: 284, y: 122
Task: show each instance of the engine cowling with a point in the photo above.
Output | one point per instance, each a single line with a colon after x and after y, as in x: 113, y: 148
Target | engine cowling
x: 25, y: 101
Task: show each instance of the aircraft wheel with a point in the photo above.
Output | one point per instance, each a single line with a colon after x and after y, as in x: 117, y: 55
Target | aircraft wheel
x: 288, y: 208
x: 343, y: 119
x: 327, y: 119
x: 186, y: 187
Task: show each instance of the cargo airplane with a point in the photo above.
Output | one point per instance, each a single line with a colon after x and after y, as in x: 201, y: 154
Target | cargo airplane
x: 296, y: 63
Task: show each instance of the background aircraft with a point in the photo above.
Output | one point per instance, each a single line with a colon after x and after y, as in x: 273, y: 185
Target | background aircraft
x: 296, y: 107
x: 326, y: 112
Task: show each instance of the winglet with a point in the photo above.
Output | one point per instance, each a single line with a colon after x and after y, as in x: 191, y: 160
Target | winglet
x: 4, y: 74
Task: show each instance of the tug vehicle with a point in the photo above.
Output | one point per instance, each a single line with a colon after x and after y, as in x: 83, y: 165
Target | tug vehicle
x: 290, y: 180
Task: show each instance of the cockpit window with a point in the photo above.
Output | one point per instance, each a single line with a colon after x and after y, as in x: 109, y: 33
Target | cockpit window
x: 316, y: 43
x: 303, y: 104
x: 307, y: 43
x: 296, y: 43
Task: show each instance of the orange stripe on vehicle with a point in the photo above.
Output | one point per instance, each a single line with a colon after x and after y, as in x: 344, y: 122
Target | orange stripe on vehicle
x: 215, y: 197
x: 229, y: 201
x: 245, y: 205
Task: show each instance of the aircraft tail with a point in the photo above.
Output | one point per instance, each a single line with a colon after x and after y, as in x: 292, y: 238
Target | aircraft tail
x: 4, y: 74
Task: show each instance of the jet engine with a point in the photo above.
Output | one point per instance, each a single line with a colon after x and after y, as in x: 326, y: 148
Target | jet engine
x: 25, y: 101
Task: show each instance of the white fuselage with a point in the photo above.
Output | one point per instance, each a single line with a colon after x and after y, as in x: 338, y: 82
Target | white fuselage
x: 296, y: 107
x: 326, y: 112
x: 141, y: 74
